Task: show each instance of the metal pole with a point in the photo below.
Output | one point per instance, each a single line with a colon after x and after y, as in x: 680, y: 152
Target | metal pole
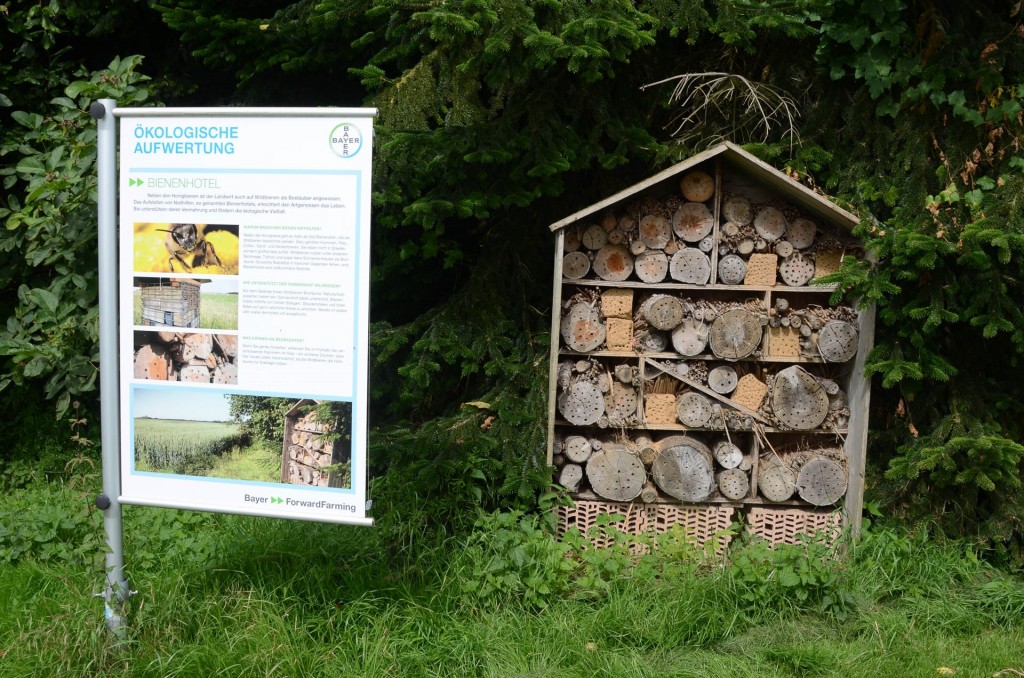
x: 115, y: 593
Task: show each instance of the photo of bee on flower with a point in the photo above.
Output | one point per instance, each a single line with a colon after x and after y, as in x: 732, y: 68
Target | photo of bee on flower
x: 186, y: 248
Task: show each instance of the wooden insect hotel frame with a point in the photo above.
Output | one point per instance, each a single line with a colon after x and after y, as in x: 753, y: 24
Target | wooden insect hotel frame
x: 307, y: 452
x: 170, y: 302
x: 698, y: 370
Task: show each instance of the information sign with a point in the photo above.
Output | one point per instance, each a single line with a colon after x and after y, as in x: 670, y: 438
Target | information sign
x: 244, y: 293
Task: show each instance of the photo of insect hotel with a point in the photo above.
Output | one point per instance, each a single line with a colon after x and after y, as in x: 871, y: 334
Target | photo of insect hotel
x: 193, y: 357
x: 699, y: 373
x: 210, y: 249
x: 185, y: 302
x: 241, y: 437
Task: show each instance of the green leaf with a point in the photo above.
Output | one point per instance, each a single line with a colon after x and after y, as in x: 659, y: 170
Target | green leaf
x: 76, y: 88
x: 34, y: 367
x: 46, y: 300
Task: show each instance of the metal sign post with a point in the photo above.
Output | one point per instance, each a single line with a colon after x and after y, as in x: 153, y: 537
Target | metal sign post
x: 115, y: 593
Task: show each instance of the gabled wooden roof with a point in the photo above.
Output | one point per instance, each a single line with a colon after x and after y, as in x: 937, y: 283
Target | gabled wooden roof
x: 737, y: 159
x: 297, y: 407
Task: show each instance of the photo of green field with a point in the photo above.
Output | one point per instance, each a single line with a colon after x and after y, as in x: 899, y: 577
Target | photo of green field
x: 193, y: 433
x: 212, y: 434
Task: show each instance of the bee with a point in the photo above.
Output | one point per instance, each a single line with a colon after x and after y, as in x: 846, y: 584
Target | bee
x: 189, y: 239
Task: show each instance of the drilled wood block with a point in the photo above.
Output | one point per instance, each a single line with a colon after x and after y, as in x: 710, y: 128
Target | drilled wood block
x: 762, y: 269
x: 619, y: 334
x: 617, y: 303
x: 660, y: 408
x: 827, y: 262
x: 750, y: 392
x: 783, y: 342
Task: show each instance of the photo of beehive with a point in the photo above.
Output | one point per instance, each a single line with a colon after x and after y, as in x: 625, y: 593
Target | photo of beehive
x: 163, y: 301
x: 698, y: 357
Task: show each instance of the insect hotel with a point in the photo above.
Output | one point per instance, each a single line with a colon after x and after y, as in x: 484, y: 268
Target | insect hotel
x: 170, y: 302
x: 308, y: 452
x: 698, y: 371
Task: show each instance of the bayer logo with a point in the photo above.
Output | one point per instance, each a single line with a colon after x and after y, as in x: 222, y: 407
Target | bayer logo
x: 346, y: 140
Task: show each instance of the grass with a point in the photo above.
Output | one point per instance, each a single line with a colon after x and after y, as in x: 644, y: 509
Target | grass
x: 216, y: 311
x: 260, y: 462
x: 238, y: 596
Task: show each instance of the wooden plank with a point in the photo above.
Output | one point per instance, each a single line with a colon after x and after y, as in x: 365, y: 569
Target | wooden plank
x: 556, y: 333
x: 717, y: 223
x: 859, y: 395
x: 634, y: 284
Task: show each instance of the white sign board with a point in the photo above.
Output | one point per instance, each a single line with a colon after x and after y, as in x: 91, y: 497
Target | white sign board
x: 244, y: 308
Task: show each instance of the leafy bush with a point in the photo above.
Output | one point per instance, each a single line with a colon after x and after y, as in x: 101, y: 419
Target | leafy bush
x: 48, y: 248
x: 509, y: 556
x: 50, y: 522
x: 806, y: 576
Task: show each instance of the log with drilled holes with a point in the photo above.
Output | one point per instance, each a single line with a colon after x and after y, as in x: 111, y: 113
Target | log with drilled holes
x: 733, y: 483
x: 582, y: 327
x: 728, y: 455
x: 821, y: 481
x: 735, y: 334
x: 581, y: 404
x: 798, y: 400
x: 662, y: 311
x: 776, y: 481
x: 651, y: 266
x: 570, y: 477
x: 577, y: 449
x: 616, y: 473
x: 690, y: 337
x: 692, y: 222
x: 690, y: 265
x: 683, y: 469
x: 613, y: 263
x: 837, y: 341
x: 697, y: 186
x: 693, y: 410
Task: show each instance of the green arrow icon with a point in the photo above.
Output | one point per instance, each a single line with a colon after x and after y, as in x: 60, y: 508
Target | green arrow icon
x: 134, y: 182
x: 276, y: 500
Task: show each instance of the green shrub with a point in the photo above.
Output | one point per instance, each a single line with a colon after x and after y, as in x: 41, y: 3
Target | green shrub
x: 785, y: 578
x: 50, y: 523
x: 509, y: 556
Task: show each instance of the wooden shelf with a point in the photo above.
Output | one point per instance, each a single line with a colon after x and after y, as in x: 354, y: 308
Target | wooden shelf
x: 685, y: 429
x: 636, y: 284
x: 664, y: 355
x: 716, y: 499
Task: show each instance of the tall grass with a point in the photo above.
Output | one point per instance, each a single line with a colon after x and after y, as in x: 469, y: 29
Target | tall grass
x: 238, y: 596
x: 179, y: 446
x: 218, y: 311
x: 260, y: 461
